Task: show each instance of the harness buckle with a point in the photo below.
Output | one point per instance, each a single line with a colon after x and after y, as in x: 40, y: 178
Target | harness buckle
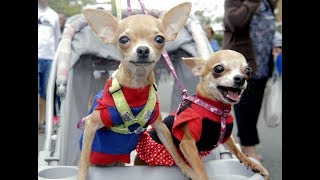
x: 130, y: 122
x: 138, y: 130
x: 135, y: 120
x: 184, y: 93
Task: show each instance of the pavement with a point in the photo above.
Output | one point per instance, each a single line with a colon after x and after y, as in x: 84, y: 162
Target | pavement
x: 270, y: 146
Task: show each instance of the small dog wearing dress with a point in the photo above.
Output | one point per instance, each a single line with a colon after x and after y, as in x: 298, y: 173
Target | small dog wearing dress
x: 196, y: 130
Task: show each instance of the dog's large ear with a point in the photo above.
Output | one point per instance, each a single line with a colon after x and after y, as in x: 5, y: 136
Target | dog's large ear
x: 174, y: 20
x: 102, y: 23
x: 195, y: 64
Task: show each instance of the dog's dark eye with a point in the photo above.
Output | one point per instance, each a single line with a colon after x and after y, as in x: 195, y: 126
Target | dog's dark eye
x: 124, y: 40
x: 159, y: 39
x: 247, y: 71
x: 218, y: 69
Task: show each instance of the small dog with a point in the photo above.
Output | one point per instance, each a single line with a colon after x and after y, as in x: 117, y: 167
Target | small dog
x: 128, y: 103
x: 196, y: 130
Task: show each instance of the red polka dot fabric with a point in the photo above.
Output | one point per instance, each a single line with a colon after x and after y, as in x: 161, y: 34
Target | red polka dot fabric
x: 156, y: 154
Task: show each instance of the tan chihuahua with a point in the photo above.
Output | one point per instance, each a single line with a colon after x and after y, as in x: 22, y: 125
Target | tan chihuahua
x: 196, y: 130
x: 128, y: 103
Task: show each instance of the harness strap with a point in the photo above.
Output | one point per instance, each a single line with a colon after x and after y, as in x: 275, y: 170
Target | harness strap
x: 222, y: 113
x: 125, y: 111
x: 115, y: 86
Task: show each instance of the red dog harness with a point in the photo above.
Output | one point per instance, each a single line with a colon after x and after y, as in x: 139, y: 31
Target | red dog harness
x: 204, y: 126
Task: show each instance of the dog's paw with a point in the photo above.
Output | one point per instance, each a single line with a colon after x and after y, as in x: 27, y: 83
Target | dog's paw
x: 255, y: 167
x: 187, y: 171
x: 262, y: 171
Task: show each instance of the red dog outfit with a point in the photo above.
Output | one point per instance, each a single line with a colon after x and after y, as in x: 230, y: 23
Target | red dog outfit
x: 109, y: 146
x: 204, y: 127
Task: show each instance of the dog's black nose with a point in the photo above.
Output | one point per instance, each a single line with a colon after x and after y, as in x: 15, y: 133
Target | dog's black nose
x: 240, y: 80
x: 143, y: 51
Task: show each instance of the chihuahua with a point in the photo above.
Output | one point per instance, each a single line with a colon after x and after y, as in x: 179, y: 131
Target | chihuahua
x: 196, y: 130
x: 128, y: 104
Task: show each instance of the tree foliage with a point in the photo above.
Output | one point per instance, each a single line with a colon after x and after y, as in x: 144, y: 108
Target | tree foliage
x: 206, y: 20
x: 68, y: 7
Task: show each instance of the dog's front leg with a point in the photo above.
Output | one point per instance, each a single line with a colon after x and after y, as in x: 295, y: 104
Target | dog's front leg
x: 166, y: 139
x: 92, y: 122
x: 246, y: 161
x: 190, y: 152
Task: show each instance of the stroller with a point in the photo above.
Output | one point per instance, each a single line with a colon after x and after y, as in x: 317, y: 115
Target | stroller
x: 80, y: 69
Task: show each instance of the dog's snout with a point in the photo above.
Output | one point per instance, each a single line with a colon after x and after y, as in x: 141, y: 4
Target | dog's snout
x: 143, y: 51
x: 240, y: 80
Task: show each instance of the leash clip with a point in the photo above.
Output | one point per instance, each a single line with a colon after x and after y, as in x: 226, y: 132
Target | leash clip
x: 184, y: 93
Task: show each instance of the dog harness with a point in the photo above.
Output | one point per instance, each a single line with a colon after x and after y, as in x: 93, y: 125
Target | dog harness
x: 123, y: 126
x: 208, y: 126
x: 204, y: 126
x: 125, y: 112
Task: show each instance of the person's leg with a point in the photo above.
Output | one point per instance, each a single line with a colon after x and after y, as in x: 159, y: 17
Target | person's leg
x: 42, y: 103
x: 46, y: 66
x: 40, y: 74
x: 247, y: 113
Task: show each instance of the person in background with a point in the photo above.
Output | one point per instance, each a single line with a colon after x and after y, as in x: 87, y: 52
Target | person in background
x: 249, y: 29
x: 214, y: 43
x: 62, y: 19
x: 277, y: 43
x: 48, y: 38
x: 277, y: 51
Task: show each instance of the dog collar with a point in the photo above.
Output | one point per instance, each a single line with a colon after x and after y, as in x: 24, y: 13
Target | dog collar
x: 222, y: 113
